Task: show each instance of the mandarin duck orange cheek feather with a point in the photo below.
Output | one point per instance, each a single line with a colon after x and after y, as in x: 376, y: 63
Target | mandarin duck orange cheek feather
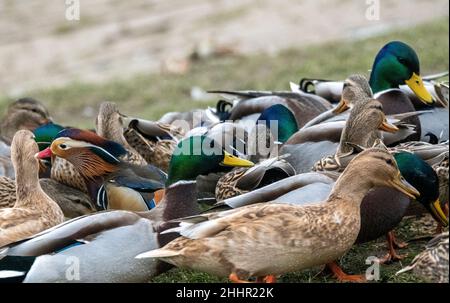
x: 107, y: 177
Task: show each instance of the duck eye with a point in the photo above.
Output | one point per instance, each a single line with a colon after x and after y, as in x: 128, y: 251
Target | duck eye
x: 62, y: 146
x: 389, y: 162
x: 402, y: 61
x: 211, y: 144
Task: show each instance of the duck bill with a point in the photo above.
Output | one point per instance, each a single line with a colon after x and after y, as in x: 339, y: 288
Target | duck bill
x: 415, y: 83
x: 438, y: 214
x: 388, y: 127
x: 230, y: 160
x: 45, y: 154
x: 341, y: 107
x: 404, y: 187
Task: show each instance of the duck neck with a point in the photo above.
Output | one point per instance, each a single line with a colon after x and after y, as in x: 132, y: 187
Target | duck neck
x: 357, y: 131
x: 28, y: 188
x: 352, y: 185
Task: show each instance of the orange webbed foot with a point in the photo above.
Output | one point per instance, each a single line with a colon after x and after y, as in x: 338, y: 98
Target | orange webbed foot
x: 341, y: 276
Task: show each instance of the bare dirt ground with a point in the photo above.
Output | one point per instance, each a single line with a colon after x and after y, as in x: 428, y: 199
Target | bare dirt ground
x: 40, y: 48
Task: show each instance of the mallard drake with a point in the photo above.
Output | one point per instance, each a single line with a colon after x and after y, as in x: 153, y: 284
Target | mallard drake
x: 366, y: 119
x: 25, y: 113
x: 382, y: 209
x: 33, y: 210
x: 273, y: 239
x: 103, y: 244
x: 432, y: 263
x: 242, y: 180
x: 97, y: 160
x: 154, y: 141
x: 397, y: 64
x: 304, y: 106
x: 106, y: 242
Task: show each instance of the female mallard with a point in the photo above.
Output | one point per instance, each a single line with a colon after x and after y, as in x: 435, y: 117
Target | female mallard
x: 25, y: 113
x: 432, y: 263
x: 34, y: 211
x: 273, y: 239
x: 109, y: 125
x: 106, y: 251
x: 154, y: 141
x: 382, y: 209
x: 364, y: 124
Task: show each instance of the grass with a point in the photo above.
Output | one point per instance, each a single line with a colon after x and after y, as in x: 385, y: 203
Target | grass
x: 150, y: 96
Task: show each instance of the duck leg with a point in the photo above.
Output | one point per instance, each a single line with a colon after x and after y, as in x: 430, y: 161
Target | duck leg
x: 267, y: 279
x: 341, y: 276
x: 270, y: 279
x: 392, y: 255
x: 397, y: 244
x: 235, y: 279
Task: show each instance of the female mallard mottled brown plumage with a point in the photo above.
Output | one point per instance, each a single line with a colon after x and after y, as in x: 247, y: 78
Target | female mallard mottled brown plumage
x: 154, y: 141
x: 432, y: 263
x: 242, y: 180
x: 25, y: 113
x: 34, y: 211
x: 109, y: 124
x: 273, y: 239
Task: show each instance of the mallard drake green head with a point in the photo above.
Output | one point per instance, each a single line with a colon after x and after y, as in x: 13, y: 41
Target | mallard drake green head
x: 397, y: 64
x: 423, y: 177
x: 199, y: 155
x: 45, y: 134
x: 25, y: 113
x: 285, y: 119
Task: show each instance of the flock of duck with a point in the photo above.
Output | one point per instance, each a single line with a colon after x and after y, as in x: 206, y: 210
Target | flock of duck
x: 233, y: 196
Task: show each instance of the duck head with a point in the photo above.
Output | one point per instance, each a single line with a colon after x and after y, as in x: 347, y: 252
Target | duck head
x: 423, y: 177
x: 374, y: 167
x: 356, y: 87
x: 45, y: 134
x: 25, y: 113
x: 285, y: 119
x: 397, y: 64
x: 199, y: 155
x: 91, y: 154
x: 363, y: 126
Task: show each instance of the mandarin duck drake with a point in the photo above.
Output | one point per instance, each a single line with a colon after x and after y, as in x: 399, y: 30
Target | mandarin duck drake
x: 111, y: 182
